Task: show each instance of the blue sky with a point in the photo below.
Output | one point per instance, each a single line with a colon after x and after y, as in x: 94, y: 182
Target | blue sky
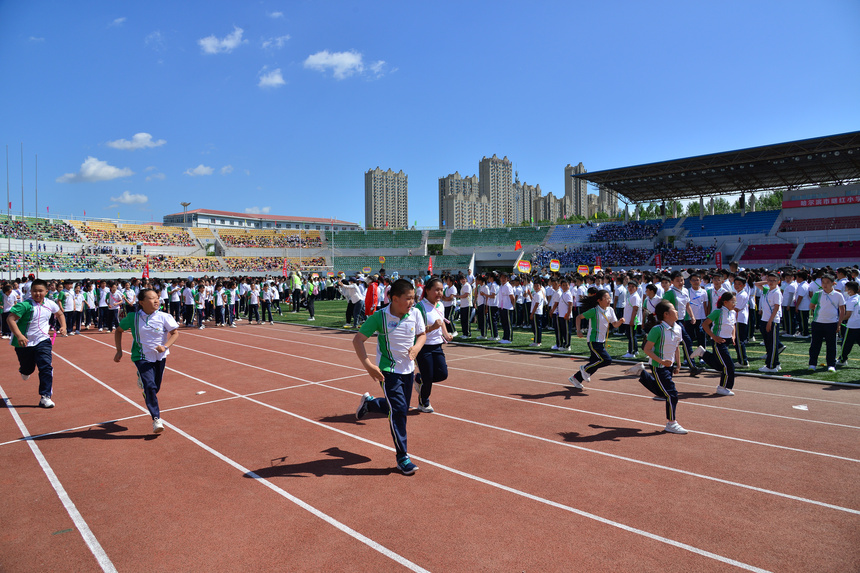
x: 281, y: 107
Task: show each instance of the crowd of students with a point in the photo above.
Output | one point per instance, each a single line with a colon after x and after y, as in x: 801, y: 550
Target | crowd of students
x: 178, y: 238
x: 630, y: 231
x: 42, y: 230
x: 280, y: 240
x: 617, y: 255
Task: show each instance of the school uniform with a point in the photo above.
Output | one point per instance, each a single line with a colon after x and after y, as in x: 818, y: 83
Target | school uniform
x: 33, y: 322
x: 698, y: 298
x: 852, y: 330
x: 802, y: 294
x: 553, y: 306
x: 599, y: 322
x: 450, y: 306
x: 492, y: 309
x: 679, y: 299
x: 114, y: 300
x: 771, y: 306
x: 188, y: 305
x: 659, y: 380
x: 9, y: 301
x: 538, y: 300
x: 149, y: 331
x: 825, y: 325
x: 506, y: 309
x: 395, y: 337
x: 723, y: 325
x: 742, y: 313
x: 465, y: 310
x: 631, y: 321
x: 565, y: 306
x: 430, y: 360
x: 481, y: 304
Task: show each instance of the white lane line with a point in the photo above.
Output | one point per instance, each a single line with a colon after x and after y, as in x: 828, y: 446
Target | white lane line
x: 497, y: 359
x: 720, y: 436
x: 765, y: 444
x: 686, y: 402
x: 176, y: 408
x: 307, y: 507
x: 95, y: 547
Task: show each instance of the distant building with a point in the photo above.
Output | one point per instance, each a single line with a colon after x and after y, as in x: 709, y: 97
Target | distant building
x: 386, y: 203
x: 607, y: 201
x: 232, y: 220
x: 460, y: 205
x: 524, y: 197
x: 575, y: 192
x: 494, y: 183
x: 548, y: 208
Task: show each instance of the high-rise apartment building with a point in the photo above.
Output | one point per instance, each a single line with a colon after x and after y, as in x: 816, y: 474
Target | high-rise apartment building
x: 386, y: 202
x: 455, y: 194
x: 548, y: 208
x: 524, y: 196
x: 607, y: 201
x: 494, y: 183
x: 575, y: 191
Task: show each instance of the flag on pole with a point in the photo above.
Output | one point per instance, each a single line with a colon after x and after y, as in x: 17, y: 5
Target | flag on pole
x: 430, y: 266
x: 518, y: 246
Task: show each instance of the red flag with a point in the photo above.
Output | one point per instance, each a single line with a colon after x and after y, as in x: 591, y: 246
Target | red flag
x: 518, y: 246
x: 48, y: 209
x: 430, y: 266
x: 10, y: 204
x: 85, y: 212
x: 146, y: 270
x: 719, y: 261
x: 285, y: 267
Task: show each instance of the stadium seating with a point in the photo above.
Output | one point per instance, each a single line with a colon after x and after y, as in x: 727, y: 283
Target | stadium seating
x: 610, y: 256
x: 55, y: 262
x: 692, y: 255
x: 270, y: 264
x: 105, y: 232
x: 831, y: 251
x: 394, y: 263
x: 632, y: 231
x: 730, y: 224
x: 503, y: 237
x: 437, y: 234
x: 573, y: 233
x: 825, y: 224
x: 37, y: 229
x: 780, y: 251
x: 270, y: 238
x: 375, y: 239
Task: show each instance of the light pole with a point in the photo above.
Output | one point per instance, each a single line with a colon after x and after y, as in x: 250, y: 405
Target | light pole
x: 185, y: 205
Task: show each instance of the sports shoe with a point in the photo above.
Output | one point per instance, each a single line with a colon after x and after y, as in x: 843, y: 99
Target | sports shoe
x: 311, y: 319
x: 752, y: 339
x: 576, y: 383
x: 271, y: 322
x: 674, y: 428
x: 361, y: 412
x: 566, y: 348
x: 102, y: 329
x: 504, y: 341
x: 741, y: 365
x: 840, y: 362
x: 636, y: 369
x: 480, y: 338
x: 554, y: 347
x: 406, y: 466
x: 25, y: 376
x: 724, y: 391
x: 766, y: 369
x: 811, y: 367
x: 534, y: 344
x: 426, y: 408
x: 831, y: 369
x: 698, y: 352
x: 628, y: 356
x: 201, y: 327
x: 347, y: 325
x: 659, y: 399
x: 232, y: 326
x: 585, y: 375
x: 46, y: 402
x: 157, y: 426
x: 695, y: 371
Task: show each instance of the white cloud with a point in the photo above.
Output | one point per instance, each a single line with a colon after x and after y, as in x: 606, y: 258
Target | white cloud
x: 36, y: 39
x: 343, y: 64
x: 271, y: 79
x: 247, y: 172
x: 93, y: 170
x: 278, y: 42
x: 156, y: 41
x: 138, y: 141
x: 257, y: 210
x: 275, y: 15
x: 130, y: 198
x: 226, y: 169
x: 154, y: 176
x: 199, y: 170
x: 212, y: 45
x: 118, y: 21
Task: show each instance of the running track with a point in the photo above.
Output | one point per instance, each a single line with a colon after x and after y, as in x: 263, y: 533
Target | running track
x: 268, y: 469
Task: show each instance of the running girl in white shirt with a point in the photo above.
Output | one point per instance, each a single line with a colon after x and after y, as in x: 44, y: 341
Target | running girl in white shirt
x: 597, y: 310
x: 153, y: 332
x: 431, y: 360
x: 720, y: 327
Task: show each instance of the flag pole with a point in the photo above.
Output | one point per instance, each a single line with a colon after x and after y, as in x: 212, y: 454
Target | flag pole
x: 8, y: 215
x: 36, y: 189
x: 23, y: 238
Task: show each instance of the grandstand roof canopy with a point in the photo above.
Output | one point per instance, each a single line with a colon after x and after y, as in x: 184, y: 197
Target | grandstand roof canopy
x: 830, y: 159
x: 262, y: 216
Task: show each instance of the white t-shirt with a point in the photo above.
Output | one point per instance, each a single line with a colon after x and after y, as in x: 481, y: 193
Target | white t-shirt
x: 37, y: 330
x: 633, y: 300
x: 10, y: 300
x: 494, y: 290
x: 742, y: 305
x: 151, y: 331
x: 771, y: 303
x: 802, y: 291
x: 482, y: 295
x: 452, y: 292
x: 565, y: 302
x: 827, y: 309
x: 538, y: 299
x: 697, y: 302
x: 506, y: 291
x: 174, y: 293
x: 852, y: 307
x: 433, y: 313
x: 465, y: 301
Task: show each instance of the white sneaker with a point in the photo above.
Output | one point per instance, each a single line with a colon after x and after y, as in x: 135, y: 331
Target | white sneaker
x: 232, y: 326
x: 566, y: 348
x: 554, y: 347
x: 25, y: 376
x: 480, y: 338
x: 628, y: 356
x: 46, y: 402
x: 840, y: 362
x: 675, y: 428
x: 576, y: 383
x: 503, y: 341
x: 271, y: 322
x: 698, y: 352
x: 752, y: 339
x: 428, y: 409
x: 724, y: 391
x: 157, y: 426
x: 201, y: 327
x: 101, y: 329
x: 831, y: 369
x: 311, y: 319
x: 766, y: 369
x: 810, y: 367
x: 585, y: 375
x: 534, y: 344
x: 497, y: 339
x: 636, y: 369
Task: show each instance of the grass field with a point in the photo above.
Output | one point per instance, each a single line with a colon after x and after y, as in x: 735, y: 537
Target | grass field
x: 795, y: 358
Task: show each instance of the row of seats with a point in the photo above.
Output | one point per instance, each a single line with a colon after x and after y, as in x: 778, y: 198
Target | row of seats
x: 103, y: 232
x: 269, y: 264
x: 504, y: 237
x: 823, y: 224
x: 37, y: 229
x: 831, y: 251
x: 730, y: 224
x: 780, y: 251
x: 396, y: 262
x: 375, y: 239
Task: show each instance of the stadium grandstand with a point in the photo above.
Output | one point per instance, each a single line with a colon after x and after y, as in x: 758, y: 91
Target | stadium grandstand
x: 817, y: 223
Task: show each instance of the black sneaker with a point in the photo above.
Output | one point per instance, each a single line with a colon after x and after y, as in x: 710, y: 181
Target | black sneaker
x: 695, y: 371
x: 361, y: 412
x: 406, y: 466
x: 781, y: 348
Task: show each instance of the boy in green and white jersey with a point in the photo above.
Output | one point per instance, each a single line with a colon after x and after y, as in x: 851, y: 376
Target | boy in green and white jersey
x: 400, y: 330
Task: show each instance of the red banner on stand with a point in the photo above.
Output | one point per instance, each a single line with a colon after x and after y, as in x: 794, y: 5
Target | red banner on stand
x: 718, y: 259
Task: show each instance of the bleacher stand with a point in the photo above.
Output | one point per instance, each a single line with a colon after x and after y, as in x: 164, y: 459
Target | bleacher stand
x: 731, y: 224
x: 267, y: 264
x: 692, y: 255
x: 825, y: 224
x: 375, y: 239
x: 503, y: 237
x: 37, y: 229
x: 572, y: 233
x: 833, y: 251
x: 773, y: 252
x: 155, y: 235
x: 397, y: 262
x: 270, y: 239
x: 630, y: 231
x: 610, y: 256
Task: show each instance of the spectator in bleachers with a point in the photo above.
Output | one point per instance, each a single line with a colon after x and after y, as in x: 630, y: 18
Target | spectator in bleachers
x: 631, y: 231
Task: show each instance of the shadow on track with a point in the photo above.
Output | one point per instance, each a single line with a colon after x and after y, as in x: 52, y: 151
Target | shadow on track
x: 337, y: 462
x: 610, y: 434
